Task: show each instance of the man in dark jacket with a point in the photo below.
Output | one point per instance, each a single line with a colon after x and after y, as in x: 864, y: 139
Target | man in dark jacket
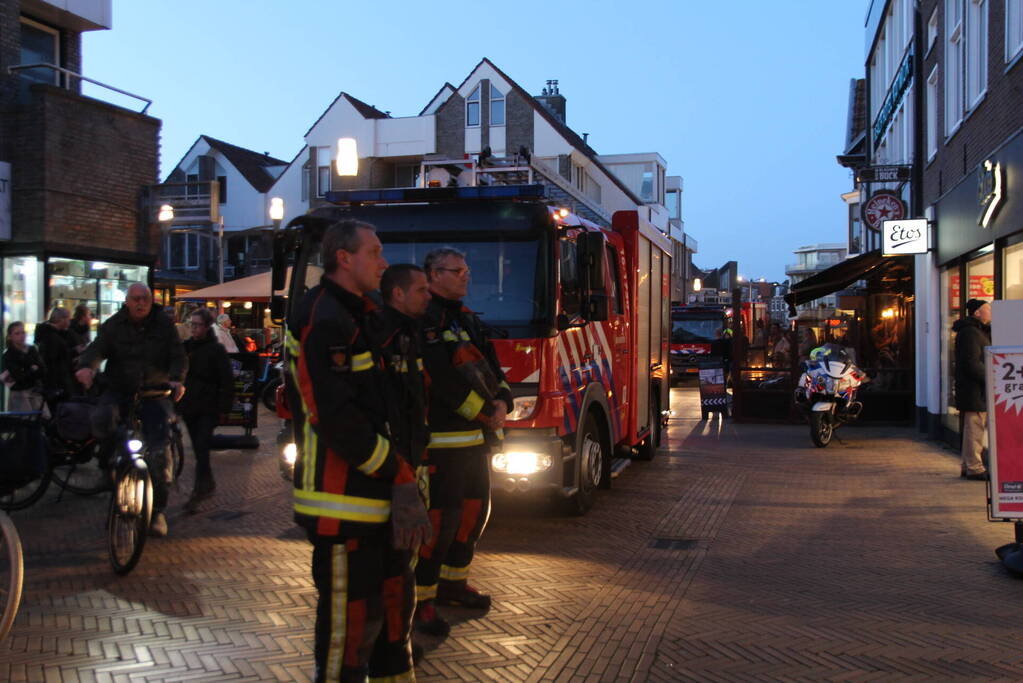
x: 469, y: 400
x: 56, y: 348
x: 355, y: 490
x: 973, y: 333
x: 209, y: 392
x: 141, y: 348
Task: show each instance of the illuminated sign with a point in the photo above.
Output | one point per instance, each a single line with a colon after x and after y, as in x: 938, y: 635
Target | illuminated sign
x: 989, y: 192
x: 904, y: 237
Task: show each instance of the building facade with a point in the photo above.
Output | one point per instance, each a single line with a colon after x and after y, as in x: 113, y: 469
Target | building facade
x: 810, y: 260
x: 73, y: 167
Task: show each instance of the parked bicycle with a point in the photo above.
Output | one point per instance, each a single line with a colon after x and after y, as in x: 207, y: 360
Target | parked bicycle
x: 12, y: 571
x: 131, y: 502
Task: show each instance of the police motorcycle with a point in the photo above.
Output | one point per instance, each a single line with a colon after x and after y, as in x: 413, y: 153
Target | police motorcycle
x: 827, y: 391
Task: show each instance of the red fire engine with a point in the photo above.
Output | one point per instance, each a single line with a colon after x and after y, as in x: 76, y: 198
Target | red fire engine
x: 578, y: 314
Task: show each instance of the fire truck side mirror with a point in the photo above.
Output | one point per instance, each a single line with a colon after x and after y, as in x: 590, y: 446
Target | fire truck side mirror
x: 279, y: 263
x: 590, y: 249
x: 277, y: 306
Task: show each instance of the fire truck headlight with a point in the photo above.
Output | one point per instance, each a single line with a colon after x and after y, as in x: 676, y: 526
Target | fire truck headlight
x: 521, y: 462
x: 290, y: 453
x: 523, y: 408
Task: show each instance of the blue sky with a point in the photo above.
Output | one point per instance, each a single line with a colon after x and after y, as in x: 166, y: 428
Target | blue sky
x: 747, y: 100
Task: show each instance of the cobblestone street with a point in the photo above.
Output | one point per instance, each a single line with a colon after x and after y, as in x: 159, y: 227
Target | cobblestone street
x: 741, y: 552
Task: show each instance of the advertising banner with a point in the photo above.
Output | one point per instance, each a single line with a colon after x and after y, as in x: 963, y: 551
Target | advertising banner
x: 247, y: 369
x: 713, y: 397
x: 1005, y: 430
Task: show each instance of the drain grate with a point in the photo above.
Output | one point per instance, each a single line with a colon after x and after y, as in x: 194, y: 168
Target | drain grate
x: 673, y: 543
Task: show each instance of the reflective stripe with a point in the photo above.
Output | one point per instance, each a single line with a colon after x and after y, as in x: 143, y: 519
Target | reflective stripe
x: 293, y: 345
x: 336, y: 506
x: 310, y: 457
x: 338, y: 611
x: 405, y: 677
x: 504, y: 385
x: 448, y: 335
x: 378, y: 457
x: 362, y: 361
x: 455, y: 439
x: 426, y: 592
x: 419, y: 364
x: 453, y: 573
x: 464, y: 336
x: 470, y: 408
x: 499, y: 434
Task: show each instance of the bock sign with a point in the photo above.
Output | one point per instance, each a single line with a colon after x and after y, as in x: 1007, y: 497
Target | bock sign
x: 883, y: 205
x: 904, y: 237
x: 1005, y: 430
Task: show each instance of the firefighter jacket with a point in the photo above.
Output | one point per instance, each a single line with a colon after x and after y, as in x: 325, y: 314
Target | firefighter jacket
x: 347, y: 461
x: 398, y: 338
x: 454, y: 348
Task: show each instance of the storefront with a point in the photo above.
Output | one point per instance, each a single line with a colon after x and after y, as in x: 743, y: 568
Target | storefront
x: 32, y: 284
x: 980, y: 252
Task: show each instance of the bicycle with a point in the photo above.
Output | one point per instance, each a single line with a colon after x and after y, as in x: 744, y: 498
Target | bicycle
x: 25, y: 471
x: 12, y: 572
x: 131, y: 501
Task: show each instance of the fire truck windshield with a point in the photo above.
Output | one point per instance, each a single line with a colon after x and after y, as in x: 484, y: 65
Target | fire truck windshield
x: 695, y: 330
x: 505, y: 286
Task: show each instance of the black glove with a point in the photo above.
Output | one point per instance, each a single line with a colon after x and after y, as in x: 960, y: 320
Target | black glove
x: 409, y: 521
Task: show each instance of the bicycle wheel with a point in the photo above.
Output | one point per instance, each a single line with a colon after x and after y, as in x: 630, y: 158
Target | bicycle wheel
x: 26, y: 494
x: 177, y: 450
x: 131, y: 507
x: 83, y: 478
x: 11, y: 574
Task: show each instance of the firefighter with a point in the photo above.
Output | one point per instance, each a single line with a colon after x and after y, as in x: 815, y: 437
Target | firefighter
x: 469, y: 400
x: 355, y: 491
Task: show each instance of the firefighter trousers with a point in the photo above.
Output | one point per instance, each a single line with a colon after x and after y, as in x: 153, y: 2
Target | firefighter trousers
x: 366, y: 596
x: 459, y: 509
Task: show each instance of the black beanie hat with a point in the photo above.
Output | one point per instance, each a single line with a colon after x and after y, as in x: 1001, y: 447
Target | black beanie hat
x: 973, y: 304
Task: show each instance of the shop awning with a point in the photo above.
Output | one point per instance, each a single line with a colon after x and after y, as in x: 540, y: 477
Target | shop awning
x: 251, y: 288
x: 840, y: 276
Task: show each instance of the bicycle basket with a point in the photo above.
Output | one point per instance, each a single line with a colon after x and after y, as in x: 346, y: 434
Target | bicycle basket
x: 22, y: 451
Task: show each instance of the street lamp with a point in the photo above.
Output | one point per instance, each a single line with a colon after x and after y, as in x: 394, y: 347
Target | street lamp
x: 166, y: 214
x: 276, y: 211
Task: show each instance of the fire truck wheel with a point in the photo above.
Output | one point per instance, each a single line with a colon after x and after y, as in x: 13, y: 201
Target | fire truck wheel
x: 592, y: 463
x: 648, y: 449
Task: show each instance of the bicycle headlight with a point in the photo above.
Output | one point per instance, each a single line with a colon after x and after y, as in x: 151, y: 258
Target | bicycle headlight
x: 134, y: 445
x: 290, y: 453
x: 522, y: 408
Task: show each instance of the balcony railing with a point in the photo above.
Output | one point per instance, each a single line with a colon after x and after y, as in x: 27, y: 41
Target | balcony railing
x: 67, y: 72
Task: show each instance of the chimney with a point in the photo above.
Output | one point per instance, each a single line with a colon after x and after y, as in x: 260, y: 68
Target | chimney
x: 552, y: 100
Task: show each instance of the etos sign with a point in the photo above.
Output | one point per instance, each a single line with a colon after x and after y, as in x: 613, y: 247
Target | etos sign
x: 883, y: 205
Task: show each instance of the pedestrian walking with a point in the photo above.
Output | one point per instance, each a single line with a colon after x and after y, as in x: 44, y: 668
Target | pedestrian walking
x: 56, y: 347
x: 469, y: 400
x: 24, y: 372
x: 80, y: 331
x: 355, y: 490
x: 973, y: 333
x: 209, y: 392
x: 222, y: 330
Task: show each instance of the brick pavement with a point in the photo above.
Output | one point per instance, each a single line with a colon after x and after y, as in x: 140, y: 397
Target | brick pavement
x: 740, y: 553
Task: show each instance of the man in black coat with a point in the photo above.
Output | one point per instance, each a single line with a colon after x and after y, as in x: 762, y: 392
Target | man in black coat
x: 973, y: 333
x: 56, y: 348
x: 209, y: 392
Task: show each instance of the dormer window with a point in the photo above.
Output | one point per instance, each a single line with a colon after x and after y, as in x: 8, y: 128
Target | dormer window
x: 472, y: 108
x: 496, y: 106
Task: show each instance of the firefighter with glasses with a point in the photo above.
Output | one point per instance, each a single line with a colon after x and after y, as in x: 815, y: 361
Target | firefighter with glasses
x: 355, y: 491
x: 468, y: 402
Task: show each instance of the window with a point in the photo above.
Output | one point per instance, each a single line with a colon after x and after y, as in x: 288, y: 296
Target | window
x: 616, y: 292
x: 932, y: 114
x: 1013, y: 28
x: 1012, y: 272
x: 954, y: 57
x: 855, y: 230
x: 472, y: 108
x: 406, y: 175
x: 182, y: 250
x: 193, y: 189
x: 322, y: 171
x: 976, y: 51
x: 646, y: 189
x: 222, y: 182
x: 570, y: 295
x: 40, y: 44
x: 306, y: 181
x: 932, y: 30
x: 496, y: 106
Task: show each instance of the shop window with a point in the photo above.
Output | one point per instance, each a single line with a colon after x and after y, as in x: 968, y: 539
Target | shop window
x: 951, y: 295
x: 23, y: 288
x: 980, y: 276
x: 1012, y: 272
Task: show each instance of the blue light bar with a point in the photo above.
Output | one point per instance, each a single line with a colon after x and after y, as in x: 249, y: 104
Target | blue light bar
x: 437, y: 194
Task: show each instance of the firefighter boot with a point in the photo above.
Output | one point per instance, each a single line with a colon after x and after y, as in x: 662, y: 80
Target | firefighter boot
x: 427, y: 620
x: 462, y: 594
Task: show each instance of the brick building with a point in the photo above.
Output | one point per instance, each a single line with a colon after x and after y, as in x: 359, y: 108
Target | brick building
x: 73, y: 168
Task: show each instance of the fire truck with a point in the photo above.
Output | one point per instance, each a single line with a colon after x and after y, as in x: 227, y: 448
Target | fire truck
x: 578, y: 314
x: 698, y: 333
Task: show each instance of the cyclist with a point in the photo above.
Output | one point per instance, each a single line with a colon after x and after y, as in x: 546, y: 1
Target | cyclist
x: 142, y: 348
